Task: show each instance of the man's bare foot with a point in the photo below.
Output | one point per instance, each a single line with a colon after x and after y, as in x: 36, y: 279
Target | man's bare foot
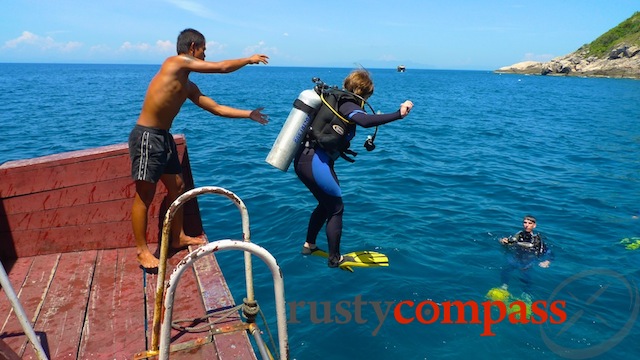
x: 147, y: 260
x: 187, y: 241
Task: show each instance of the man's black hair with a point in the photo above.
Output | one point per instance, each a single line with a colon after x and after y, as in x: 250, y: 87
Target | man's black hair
x: 188, y: 37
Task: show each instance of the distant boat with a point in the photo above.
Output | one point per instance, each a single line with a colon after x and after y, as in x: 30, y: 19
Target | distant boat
x: 401, y: 68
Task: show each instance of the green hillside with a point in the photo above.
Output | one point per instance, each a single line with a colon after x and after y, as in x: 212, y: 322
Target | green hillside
x: 627, y: 32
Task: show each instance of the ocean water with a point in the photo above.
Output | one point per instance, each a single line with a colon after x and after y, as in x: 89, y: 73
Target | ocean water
x: 479, y: 151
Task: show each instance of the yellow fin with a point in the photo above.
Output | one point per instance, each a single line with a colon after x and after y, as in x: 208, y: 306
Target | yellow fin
x: 498, y: 294
x: 362, y: 258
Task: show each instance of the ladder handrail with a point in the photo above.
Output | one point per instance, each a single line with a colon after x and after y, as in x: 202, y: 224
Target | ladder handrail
x: 222, y: 245
x: 164, y: 249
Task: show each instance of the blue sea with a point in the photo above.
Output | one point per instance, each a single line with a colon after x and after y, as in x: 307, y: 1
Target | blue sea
x: 478, y: 152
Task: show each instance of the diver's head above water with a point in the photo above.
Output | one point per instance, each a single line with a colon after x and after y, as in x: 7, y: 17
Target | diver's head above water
x: 529, y: 223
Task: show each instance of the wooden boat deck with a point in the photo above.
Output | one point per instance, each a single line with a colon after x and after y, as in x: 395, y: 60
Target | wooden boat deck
x: 66, y: 243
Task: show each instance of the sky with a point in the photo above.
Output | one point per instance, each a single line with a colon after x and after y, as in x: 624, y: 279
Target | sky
x: 421, y: 34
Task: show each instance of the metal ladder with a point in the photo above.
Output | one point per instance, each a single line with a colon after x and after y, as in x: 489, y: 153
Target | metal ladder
x: 160, y: 340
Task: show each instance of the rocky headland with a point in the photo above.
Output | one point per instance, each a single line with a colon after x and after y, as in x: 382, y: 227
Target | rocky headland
x: 615, y: 54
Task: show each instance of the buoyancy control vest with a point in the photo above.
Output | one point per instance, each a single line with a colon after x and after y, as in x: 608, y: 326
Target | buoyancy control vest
x: 330, y: 130
x: 529, y: 242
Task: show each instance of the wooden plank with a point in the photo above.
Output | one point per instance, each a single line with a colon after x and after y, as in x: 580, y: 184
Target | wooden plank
x: 32, y: 292
x: 50, y: 176
x: 33, y: 180
x: 68, y: 157
x: 64, y: 158
x: 95, y: 236
x: 78, y: 215
x: 6, y: 352
x: 114, y: 326
x: 17, y: 271
x: 81, y: 214
x: 120, y: 188
x: 90, y: 237
x: 63, y: 311
x: 9, y: 326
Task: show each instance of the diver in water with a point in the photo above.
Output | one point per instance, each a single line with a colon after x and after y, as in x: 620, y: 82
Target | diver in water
x: 525, y: 249
x: 327, y: 139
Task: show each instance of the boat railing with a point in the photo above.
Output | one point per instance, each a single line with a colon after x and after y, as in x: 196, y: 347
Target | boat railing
x: 160, y: 340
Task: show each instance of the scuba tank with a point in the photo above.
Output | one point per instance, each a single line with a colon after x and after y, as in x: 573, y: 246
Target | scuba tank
x: 302, y: 115
x: 295, y: 128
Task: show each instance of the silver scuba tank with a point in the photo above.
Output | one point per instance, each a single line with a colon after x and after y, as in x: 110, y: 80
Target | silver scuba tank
x: 294, y: 129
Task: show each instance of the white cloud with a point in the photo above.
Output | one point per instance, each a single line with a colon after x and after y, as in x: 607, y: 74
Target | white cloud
x: 29, y: 39
x: 165, y: 45
x: 215, y: 47
x: 127, y: 46
x: 161, y: 46
x: 260, y: 48
x: 25, y: 38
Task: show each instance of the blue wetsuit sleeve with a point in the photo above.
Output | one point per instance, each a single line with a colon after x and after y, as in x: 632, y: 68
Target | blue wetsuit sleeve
x: 354, y: 113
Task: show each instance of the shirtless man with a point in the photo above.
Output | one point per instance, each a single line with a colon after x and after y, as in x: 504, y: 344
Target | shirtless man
x: 151, y: 146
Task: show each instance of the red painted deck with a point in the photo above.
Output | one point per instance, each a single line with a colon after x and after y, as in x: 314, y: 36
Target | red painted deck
x: 67, y: 245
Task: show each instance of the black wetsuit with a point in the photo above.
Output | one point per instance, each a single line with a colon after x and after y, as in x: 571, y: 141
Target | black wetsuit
x: 314, y: 167
x: 526, y: 249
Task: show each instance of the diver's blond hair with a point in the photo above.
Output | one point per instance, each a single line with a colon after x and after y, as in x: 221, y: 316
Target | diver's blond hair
x: 359, y: 82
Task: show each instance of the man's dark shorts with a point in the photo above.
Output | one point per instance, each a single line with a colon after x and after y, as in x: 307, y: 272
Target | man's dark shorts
x: 153, y: 153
